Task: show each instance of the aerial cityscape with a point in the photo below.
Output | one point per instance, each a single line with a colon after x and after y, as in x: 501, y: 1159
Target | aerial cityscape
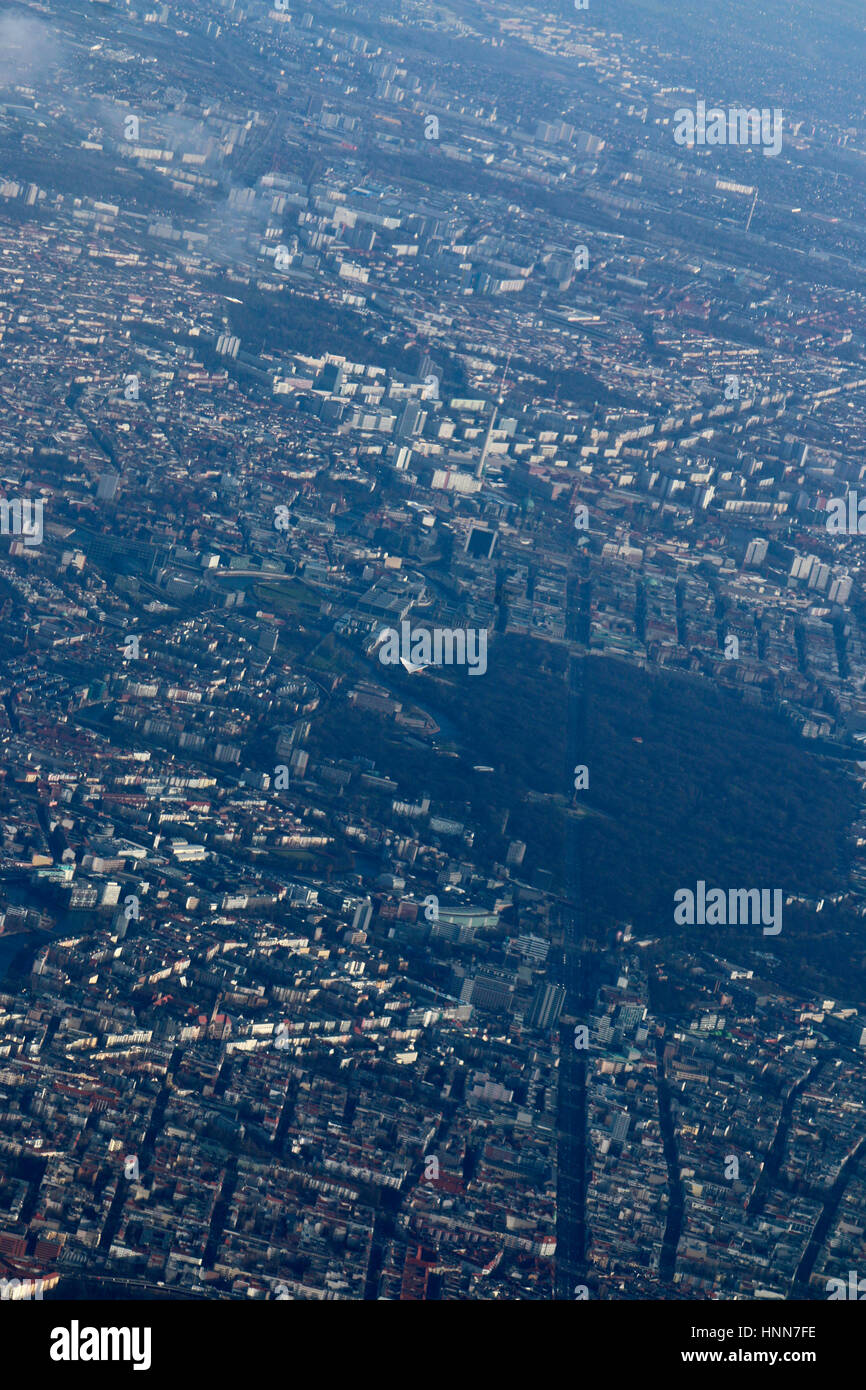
x: 433, y: 673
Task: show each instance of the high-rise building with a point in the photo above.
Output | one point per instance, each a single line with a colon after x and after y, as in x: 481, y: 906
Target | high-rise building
x: 630, y: 1015
x: 756, y: 552
x: 363, y: 915
x: 411, y: 421
x: 491, y: 994
x: 107, y: 486
x: 330, y: 378
x: 620, y: 1128
x: 546, y: 1006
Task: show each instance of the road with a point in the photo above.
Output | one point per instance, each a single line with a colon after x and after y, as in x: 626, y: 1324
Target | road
x: 573, y: 975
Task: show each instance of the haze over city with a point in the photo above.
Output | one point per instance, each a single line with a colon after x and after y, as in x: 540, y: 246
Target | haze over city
x: 433, y: 678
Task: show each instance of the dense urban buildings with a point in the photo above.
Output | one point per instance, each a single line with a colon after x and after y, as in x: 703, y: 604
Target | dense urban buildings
x: 431, y: 538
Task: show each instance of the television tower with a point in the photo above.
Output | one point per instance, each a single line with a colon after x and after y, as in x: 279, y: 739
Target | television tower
x: 479, y: 471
